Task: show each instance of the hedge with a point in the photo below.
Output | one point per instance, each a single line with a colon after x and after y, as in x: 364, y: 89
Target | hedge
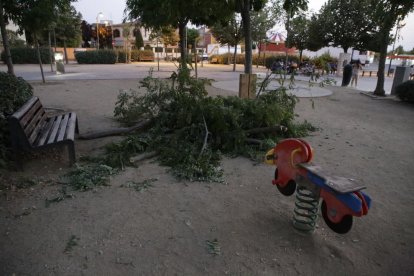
x: 14, y: 92
x: 27, y: 55
x: 135, y: 55
x: 240, y: 58
x: 96, y: 57
x: 405, y: 91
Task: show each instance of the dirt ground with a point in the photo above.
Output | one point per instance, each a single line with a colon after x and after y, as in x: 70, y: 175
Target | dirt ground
x: 164, y: 230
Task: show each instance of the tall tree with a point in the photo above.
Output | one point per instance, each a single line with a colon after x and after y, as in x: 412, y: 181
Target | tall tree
x: 139, y: 41
x: 316, y: 36
x: 345, y: 22
x: 169, y: 36
x: 299, y: 33
x: 68, y: 27
x: 262, y: 21
x: 244, y: 7
x: 177, y: 13
x: 230, y: 33
x: 192, y: 36
x: 9, y: 9
x: 386, y: 15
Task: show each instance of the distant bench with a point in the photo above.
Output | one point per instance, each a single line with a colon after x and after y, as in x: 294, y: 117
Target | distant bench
x: 146, y: 58
x: 31, y: 129
x: 370, y: 72
x: 376, y: 71
x: 214, y: 60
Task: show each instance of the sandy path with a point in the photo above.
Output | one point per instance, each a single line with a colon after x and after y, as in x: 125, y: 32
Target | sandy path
x: 164, y: 230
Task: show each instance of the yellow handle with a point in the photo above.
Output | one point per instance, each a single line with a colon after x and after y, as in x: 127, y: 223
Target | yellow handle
x: 295, y: 151
x: 269, y: 157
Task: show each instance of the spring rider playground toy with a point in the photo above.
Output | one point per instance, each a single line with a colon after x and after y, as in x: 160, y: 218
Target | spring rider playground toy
x: 342, y: 198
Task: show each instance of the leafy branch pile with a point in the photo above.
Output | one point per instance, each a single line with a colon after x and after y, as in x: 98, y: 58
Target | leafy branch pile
x: 190, y: 131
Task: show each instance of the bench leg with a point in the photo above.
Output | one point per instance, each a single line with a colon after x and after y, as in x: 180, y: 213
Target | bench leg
x: 71, y: 151
x: 17, y: 159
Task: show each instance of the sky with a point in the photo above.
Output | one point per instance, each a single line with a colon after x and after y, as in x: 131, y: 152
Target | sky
x: 114, y: 10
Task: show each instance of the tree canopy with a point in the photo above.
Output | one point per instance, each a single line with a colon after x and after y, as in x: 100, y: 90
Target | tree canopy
x: 298, y: 35
x: 157, y: 14
x: 230, y: 33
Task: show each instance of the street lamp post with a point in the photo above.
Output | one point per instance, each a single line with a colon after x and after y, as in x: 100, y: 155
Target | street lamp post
x: 100, y: 14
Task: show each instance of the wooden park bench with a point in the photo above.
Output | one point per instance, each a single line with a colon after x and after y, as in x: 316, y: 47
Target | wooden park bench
x: 146, y: 58
x: 214, y: 60
x: 31, y: 129
x: 369, y: 71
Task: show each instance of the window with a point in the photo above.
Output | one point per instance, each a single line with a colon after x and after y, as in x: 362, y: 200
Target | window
x: 117, y: 33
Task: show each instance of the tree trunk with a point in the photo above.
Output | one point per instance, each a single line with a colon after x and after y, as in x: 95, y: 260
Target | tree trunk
x: 6, y: 46
x: 39, y: 58
x: 286, y: 45
x: 54, y: 39
x: 50, y: 52
x: 65, y: 51
x: 245, y: 13
x: 300, y: 55
x: 196, y: 60
x: 234, y: 58
x: 379, y: 89
x: 183, y: 50
x: 345, y: 50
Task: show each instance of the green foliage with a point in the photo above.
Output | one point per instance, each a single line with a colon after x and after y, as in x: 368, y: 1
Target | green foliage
x: 139, y: 41
x: 346, y: 23
x: 14, y: 92
x: 322, y: 60
x: 118, y: 155
x: 230, y: 32
x: 270, y: 59
x: 28, y: 55
x: 405, y: 91
x: 96, y: 57
x: 84, y: 178
x: 72, y: 242
x: 190, y: 130
x: 213, y: 247
x: 14, y: 40
x: 67, y: 27
x: 121, y: 56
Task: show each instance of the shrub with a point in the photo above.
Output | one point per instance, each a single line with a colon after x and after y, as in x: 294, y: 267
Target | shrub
x: 14, y: 92
x: 405, y: 91
x: 96, y: 57
x: 121, y: 58
x: 135, y: 55
x: 27, y: 55
x: 270, y: 59
x: 321, y: 61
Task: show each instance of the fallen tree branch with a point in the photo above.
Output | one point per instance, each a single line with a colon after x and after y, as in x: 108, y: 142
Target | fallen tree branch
x: 266, y: 129
x: 143, y: 156
x: 205, y: 137
x: 116, y: 131
x: 253, y: 141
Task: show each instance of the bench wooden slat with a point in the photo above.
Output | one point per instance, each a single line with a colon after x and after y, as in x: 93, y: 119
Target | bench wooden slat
x: 55, y: 129
x: 38, y: 127
x: 70, y: 131
x: 23, y: 110
x: 63, y: 126
x: 34, y: 109
x: 32, y: 124
x: 45, y: 132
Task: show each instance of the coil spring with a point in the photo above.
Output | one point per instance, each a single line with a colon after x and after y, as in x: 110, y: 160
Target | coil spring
x: 306, y: 210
